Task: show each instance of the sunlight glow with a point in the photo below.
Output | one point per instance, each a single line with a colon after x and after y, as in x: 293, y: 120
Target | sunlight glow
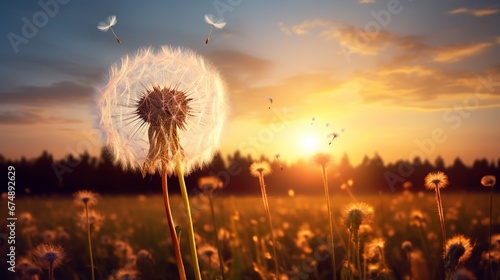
x: 310, y: 143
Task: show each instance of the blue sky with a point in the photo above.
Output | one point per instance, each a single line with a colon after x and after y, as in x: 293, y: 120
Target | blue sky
x: 389, y: 83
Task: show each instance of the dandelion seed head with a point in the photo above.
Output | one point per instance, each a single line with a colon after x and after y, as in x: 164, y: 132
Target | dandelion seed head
x: 209, y: 184
x: 356, y: 214
x: 407, y: 246
x: 322, y: 159
x: 458, y: 249
x: 85, y: 197
x: 434, y: 179
x: 162, y: 107
x: 95, y: 220
x: 488, y: 181
x: 261, y: 168
x: 47, y: 255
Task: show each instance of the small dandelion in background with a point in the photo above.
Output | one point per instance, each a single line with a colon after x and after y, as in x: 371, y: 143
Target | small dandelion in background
x: 108, y: 24
x: 436, y: 181
x: 277, y: 156
x: 49, y: 257
x: 87, y: 198
x: 217, y: 23
x: 323, y: 160
x: 458, y: 249
x: 260, y: 170
x: 489, y: 181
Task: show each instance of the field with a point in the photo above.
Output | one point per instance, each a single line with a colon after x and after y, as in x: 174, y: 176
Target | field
x: 133, y: 236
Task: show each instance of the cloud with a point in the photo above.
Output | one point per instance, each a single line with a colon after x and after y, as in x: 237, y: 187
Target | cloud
x: 56, y: 94
x: 477, y: 13
x: 366, y: 1
x: 25, y: 117
x: 284, y: 29
x: 306, y: 25
x: 454, y: 53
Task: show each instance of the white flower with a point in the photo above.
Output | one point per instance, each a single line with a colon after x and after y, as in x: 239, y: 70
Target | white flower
x: 164, y: 107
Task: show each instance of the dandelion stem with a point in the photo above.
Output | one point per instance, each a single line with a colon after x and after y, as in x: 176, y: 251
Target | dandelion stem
x: 221, y: 261
x: 90, y: 241
x: 171, y: 226
x: 51, y: 271
x: 266, y: 207
x: 192, y: 242
x: 330, y: 219
x: 489, y: 232
x: 441, y: 216
x: 209, y: 34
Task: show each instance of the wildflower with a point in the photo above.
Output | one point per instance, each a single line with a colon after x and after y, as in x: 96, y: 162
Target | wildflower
x: 488, y: 181
x: 94, y: 220
x: 322, y: 159
x: 85, y: 198
x: 49, y: 257
x: 104, y: 26
x: 356, y: 214
x: 260, y: 169
x: 209, y: 184
x: 436, y: 180
x: 457, y: 250
x: 218, y: 23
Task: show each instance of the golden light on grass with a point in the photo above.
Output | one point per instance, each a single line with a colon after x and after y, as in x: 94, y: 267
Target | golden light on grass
x: 164, y: 111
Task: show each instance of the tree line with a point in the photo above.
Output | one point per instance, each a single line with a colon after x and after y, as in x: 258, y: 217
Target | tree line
x: 44, y: 175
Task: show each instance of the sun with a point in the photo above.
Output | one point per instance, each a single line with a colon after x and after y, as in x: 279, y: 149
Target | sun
x: 310, y: 143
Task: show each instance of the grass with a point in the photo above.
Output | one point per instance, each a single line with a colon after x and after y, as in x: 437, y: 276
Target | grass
x: 139, y: 221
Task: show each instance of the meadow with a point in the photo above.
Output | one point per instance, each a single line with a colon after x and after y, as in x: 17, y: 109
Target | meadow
x: 131, y: 240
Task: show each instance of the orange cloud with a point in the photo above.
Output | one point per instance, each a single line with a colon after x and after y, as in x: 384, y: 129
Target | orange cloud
x: 454, y: 53
x: 304, y: 27
x: 477, y: 13
x: 366, y: 1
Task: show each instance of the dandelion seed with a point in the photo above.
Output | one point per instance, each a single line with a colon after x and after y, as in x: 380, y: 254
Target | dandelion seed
x: 313, y: 120
x: 270, y: 99
x: 277, y: 156
x: 108, y: 24
x: 458, y: 249
x: 217, y: 23
x: 334, y: 135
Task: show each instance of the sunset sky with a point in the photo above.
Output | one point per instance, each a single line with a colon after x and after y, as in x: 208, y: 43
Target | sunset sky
x: 388, y: 76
